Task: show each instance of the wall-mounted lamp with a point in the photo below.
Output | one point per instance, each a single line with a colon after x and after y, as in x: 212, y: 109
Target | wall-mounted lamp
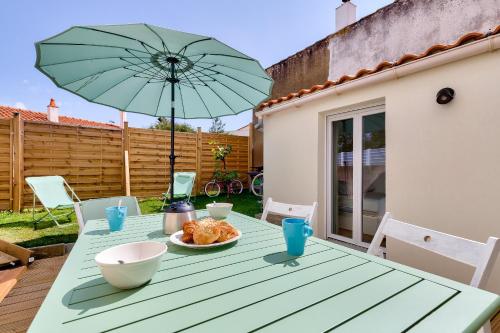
x: 445, y: 96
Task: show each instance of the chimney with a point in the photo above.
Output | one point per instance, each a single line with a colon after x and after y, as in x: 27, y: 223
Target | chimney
x: 53, y: 111
x: 123, y: 119
x: 345, y: 14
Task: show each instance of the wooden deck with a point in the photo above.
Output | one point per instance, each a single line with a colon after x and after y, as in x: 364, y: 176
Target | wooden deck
x: 495, y: 324
x: 18, y: 309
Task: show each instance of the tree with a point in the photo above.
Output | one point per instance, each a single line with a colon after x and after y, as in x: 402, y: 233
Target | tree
x: 163, y: 123
x: 217, y: 126
x: 220, y: 153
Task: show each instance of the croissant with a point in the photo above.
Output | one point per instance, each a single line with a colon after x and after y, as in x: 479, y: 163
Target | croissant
x: 227, y: 232
x: 206, y: 233
x: 188, y: 228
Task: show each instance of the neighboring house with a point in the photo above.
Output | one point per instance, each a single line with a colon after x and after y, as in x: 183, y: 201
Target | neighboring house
x: 377, y: 140
x: 242, y: 131
x: 403, y: 27
x: 52, y: 115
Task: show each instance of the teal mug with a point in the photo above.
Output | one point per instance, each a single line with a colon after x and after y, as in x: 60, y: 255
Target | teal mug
x: 296, y: 232
x: 116, y: 217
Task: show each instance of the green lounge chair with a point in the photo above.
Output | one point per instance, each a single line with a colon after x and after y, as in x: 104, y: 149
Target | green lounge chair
x: 94, y: 209
x: 183, y: 186
x: 51, y: 191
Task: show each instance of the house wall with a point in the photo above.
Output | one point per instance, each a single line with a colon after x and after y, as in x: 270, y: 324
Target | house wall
x: 442, y: 160
x: 301, y: 70
x: 391, y: 32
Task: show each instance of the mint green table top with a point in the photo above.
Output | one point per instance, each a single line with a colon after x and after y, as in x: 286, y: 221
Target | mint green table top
x: 255, y: 286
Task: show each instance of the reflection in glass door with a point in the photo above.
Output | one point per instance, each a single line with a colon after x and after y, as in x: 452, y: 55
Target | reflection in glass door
x: 356, y: 175
x: 342, y: 176
x: 373, y: 178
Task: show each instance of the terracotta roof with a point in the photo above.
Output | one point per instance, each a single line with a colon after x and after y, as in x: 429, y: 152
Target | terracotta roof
x: 7, y: 112
x: 467, y: 38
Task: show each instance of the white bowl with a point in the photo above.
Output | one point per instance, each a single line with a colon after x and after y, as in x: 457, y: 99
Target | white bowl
x: 219, y: 210
x: 130, y: 265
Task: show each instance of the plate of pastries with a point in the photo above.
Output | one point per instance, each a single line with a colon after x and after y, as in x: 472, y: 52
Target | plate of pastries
x: 205, y: 233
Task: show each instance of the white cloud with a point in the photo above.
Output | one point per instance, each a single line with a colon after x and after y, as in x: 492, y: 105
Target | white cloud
x: 20, y: 105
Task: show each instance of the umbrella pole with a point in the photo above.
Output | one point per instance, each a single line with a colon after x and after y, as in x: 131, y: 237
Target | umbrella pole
x: 173, y: 81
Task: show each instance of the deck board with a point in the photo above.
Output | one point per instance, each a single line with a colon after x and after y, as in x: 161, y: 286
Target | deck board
x: 8, y: 279
x: 21, y: 304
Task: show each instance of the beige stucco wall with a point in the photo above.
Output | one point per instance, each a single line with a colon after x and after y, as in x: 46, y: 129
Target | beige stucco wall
x: 443, y: 162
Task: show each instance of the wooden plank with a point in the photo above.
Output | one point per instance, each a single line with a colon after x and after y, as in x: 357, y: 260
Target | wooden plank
x: 11, y: 165
x: 199, y: 146
x: 8, y: 279
x: 127, y: 174
x: 18, y: 164
x: 7, y: 259
x: 18, y: 309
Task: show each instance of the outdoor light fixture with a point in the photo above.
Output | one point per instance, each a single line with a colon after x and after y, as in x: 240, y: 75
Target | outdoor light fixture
x: 445, y: 96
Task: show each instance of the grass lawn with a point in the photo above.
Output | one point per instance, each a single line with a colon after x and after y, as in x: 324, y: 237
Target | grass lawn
x: 18, y: 227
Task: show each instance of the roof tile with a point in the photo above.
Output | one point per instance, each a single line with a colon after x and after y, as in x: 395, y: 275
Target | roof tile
x: 7, y: 112
x: 467, y: 38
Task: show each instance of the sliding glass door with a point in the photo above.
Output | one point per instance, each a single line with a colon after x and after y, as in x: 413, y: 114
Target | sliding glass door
x: 356, y: 175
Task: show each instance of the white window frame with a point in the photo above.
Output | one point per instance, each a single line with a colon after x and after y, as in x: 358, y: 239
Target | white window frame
x: 357, y: 116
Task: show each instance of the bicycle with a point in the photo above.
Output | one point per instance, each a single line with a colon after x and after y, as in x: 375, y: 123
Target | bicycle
x: 257, y: 185
x: 213, y: 188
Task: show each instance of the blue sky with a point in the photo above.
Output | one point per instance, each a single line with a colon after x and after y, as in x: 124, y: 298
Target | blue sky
x: 268, y: 30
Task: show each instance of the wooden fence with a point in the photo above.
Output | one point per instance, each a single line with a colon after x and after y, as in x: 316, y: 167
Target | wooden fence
x: 6, y: 152
x: 92, y: 160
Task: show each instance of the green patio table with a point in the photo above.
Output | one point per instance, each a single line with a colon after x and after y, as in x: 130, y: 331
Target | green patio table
x: 255, y: 286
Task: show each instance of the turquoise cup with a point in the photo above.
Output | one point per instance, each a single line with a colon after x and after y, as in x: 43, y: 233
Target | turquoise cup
x: 296, y: 232
x: 116, y: 217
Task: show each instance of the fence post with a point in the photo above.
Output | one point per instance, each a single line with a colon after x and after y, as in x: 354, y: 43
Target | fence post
x: 18, y: 163
x: 11, y: 164
x: 126, y: 163
x: 199, y: 151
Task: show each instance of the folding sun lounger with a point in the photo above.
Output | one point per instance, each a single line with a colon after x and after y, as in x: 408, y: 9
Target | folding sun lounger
x: 183, y: 186
x: 51, y: 192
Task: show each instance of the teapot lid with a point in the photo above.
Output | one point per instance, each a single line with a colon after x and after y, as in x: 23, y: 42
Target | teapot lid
x: 179, y: 207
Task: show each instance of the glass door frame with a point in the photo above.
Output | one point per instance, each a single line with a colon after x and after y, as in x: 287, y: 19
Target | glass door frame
x: 357, y: 164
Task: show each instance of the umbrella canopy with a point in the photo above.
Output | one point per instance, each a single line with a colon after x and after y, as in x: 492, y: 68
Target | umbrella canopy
x: 128, y: 67
x: 146, y: 69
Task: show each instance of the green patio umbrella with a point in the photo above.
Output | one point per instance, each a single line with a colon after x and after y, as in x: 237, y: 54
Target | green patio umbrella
x: 155, y: 71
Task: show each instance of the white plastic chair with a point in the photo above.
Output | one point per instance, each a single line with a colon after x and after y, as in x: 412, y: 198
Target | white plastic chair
x: 289, y: 210
x: 94, y: 209
x: 482, y: 256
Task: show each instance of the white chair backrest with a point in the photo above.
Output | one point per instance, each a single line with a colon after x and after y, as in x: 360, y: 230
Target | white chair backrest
x: 482, y: 256
x: 95, y: 208
x: 304, y: 211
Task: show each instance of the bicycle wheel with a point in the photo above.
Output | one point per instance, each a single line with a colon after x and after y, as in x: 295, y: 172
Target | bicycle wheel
x: 257, y: 186
x: 212, y: 189
x: 235, y: 186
